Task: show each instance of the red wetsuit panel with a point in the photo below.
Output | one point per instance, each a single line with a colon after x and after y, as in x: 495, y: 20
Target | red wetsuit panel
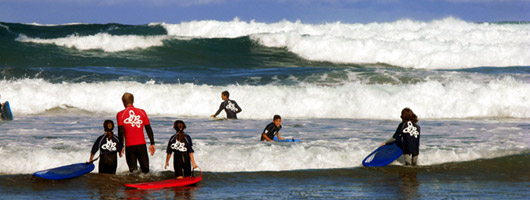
x: 133, y: 120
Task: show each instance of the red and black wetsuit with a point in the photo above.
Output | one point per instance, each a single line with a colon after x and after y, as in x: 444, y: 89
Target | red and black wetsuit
x: 131, y: 123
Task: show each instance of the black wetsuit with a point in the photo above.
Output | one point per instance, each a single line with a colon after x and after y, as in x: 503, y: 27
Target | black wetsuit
x: 231, y: 108
x: 407, y: 136
x: 108, y: 150
x: 270, y: 130
x: 181, y: 156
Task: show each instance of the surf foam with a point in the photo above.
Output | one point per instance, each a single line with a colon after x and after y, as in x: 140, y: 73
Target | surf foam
x: 503, y: 97
x: 440, y: 44
x: 103, y: 41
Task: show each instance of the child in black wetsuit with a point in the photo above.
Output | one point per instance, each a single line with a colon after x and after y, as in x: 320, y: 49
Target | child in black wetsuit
x: 272, y: 129
x: 181, y: 145
x: 108, y: 145
x: 407, y: 136
x: 230, y: 106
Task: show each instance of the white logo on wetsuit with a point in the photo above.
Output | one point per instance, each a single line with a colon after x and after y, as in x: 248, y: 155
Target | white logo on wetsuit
x: 133, y: 120
x: 111, y: 146
x: 231, y: 106
x: 411, y: 129
x: 179, y: 146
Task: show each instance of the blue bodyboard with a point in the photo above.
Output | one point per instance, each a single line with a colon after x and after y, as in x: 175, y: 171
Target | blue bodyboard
x: 285, y: 140
x: 65, y: 172
x: 383, y: 155
x: 6, y: 112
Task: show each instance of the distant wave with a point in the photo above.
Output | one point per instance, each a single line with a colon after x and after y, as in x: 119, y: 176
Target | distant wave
x: 504, y: 98
x: 103, y: 41
x: 441, y: 44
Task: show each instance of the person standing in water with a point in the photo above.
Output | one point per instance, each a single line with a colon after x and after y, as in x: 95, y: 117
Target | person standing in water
x: 108, y: 146
x: 230, y: 106
x: 181, y: 145
x: 272, y: 129
x: 131, y: 122
x: 407, y: 137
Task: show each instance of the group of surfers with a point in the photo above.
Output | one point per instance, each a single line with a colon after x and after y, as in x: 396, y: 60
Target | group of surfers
x: 131, y: 140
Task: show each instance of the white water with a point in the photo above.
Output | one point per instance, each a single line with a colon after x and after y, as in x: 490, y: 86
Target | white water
x: 453, y: 98
x: 35, y: 143
x: 441, y: 44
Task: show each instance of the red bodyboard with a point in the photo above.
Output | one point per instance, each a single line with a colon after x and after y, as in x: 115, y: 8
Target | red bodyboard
x: 166, y: 183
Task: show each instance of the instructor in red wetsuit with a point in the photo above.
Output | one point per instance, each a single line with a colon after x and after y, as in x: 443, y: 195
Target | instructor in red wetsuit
x: 131, y: 122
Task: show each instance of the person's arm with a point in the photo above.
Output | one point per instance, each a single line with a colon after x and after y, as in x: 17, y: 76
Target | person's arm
x: 267, y: 137
x: 149, y: 131
x: 278, y: 135
x: 95, y: 148
x: 393, y: 138
x: 91, y: 157
x: 193, y: 161
x: 121, y: 134
x: 218, y: 111
x: 238, y: 108
x: 167, y: 160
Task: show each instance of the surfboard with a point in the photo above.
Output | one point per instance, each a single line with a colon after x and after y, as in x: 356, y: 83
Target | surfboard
x: 6, y: 112
x: 176, y: 182
x: 383, y: 155
x: 65, y: 172
x: 166, y: 183
x: 285, y: 140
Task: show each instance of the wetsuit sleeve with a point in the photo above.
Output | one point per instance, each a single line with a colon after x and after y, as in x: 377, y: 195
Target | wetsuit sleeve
x: 190, y: 146
x: 120, y: 145
x: 396, y: 135
x: 149, y: 131
x: 168, y: 149
x: 238, y: 108
x: 121, y: 134
x: 95, y: 147
x: 220, y: 109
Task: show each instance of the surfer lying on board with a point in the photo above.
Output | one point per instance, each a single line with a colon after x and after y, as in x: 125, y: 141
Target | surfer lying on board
x: 272, y: 129
x: 230, y: 106
x: 108, y: 145
x: 407, y: 137
x: 181, y: 145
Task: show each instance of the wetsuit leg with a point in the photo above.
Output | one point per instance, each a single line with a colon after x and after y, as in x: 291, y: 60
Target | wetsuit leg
x: 130, y: 156
x: 407, y: 159
x: 177, y: 164
x: 143, y: 158
x: 108, y: 163
x: 415, y: 159
x: 186, y: 164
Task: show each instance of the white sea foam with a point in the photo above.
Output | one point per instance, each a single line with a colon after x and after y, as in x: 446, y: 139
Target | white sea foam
x: 245, y: 156
x: 441, y: 44
x: 503, y: 97
x: 447, y: 43
x: 103, y: 41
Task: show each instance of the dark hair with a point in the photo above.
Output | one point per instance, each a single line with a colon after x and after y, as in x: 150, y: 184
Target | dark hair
x: 127, y: 98
x: 106, y: 127
x: 180, y: 136
x: 408, y: 115
x: 276, y: 117
x: 226, y: 94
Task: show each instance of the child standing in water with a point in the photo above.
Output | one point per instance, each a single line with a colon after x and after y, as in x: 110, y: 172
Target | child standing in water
x: 181, y: 145
x: 407, y: 136
x: 108, y: 145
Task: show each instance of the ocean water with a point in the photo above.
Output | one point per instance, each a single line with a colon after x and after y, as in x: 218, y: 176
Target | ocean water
x: 339, y: 88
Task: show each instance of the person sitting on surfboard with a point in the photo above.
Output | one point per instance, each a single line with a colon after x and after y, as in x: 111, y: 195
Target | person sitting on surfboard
x: 407, y: 136
x: 182, y: 146
x: 230, y: 106
x: 131, y: 122
x: 108, y: 145
x: 272, y: 129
